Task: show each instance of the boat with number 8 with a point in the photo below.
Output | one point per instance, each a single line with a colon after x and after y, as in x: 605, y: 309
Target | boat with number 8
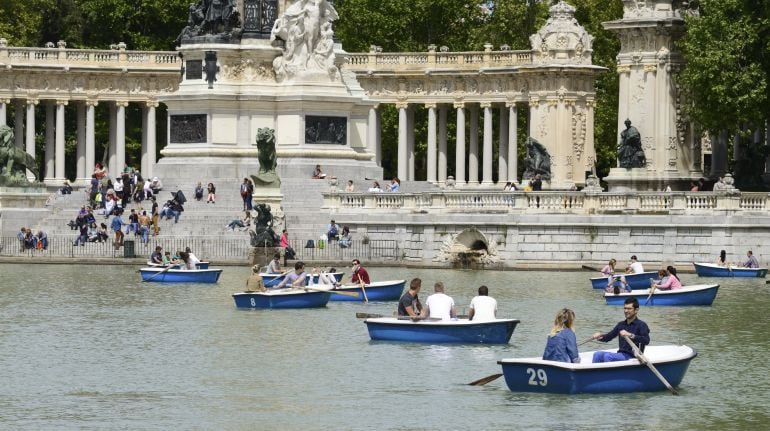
x: 713, y: 270
x: 498, y: 331
x: 539, y: 375
x: 697, y: 294
x: 282, y: 298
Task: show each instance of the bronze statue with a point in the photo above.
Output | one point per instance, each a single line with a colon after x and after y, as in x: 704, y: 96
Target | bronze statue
x: 219, y: 19
x: 266, y: 147
x: 630, y: 152
x: 537, y: 160
x: 14, y: 161
x: 263, y: 234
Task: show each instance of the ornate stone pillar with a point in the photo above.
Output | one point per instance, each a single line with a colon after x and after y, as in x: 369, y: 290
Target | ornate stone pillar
x: 90, y: 135
x: 502, y: 151
x: 431, y: 156
x: 112, y: 149
x: 50, y: 140
x: 402, y: 137
x: 18, y: 125
x: 150, y: 141
x: 120, y: 135
x: 442, y: 141
x: 4, y: 111
x: 410, y: 142
x: 513, y: 146
x: 59, y: 162
x: 460, y: 144
x: 486, y: 175
x: 378, y: 131
x: 81, y: 143
x: 30, y: 130
x: 371, y: 133
x: 473, y: 147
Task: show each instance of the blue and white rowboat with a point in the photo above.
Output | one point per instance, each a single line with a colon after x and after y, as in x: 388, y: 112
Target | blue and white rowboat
x: 697, y: 294
x: 538, y: 375
x: 281, y: 298
x: 497, y: 331
x: 163, y: 275
x: 377, y: 291
x: 635, y: 281
x: 713, y: 270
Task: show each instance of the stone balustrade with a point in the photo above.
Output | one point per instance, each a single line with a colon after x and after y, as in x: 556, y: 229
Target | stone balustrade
x: 552, y: 202
x: 61, y: 56
x: 359, y: 62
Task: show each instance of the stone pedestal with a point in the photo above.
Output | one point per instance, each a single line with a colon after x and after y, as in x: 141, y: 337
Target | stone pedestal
x: 21, y: 206
x: 630, y: 180
x: 263, y: 255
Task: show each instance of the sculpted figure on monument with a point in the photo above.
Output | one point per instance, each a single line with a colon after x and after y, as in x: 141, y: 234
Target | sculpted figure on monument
x: 218, y: 19
x: 630, y: 152
x: 306, y: 30
x: 263, y: 234
x: 537, y: 160
x: 14, y: 161
x: 267, y: 159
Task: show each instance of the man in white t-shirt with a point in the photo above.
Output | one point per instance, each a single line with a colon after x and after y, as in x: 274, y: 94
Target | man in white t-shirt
x: 440, y: 305
x: 483, y: 307
x: 634, y: 267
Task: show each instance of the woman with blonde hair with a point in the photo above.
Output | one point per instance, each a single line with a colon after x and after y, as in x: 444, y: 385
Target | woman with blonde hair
x: 562, y: 343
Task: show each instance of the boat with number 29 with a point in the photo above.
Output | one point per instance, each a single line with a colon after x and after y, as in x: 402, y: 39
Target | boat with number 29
x: 539, y: 375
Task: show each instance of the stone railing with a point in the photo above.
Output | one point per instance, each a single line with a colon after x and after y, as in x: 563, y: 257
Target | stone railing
x: 63, y: 57
x: 372, y: 61
x: 552, y: 202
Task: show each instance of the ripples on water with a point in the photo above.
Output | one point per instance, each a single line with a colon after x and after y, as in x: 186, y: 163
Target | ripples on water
x: 90, y: 347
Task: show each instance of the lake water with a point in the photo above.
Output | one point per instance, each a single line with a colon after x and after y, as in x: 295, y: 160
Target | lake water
x: 90, y: 347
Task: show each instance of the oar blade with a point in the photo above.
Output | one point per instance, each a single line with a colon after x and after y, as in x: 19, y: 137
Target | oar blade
x: 483, y: 381
x: 367, y: 316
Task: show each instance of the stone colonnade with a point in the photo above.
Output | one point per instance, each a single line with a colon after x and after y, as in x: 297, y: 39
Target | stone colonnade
x: 54, y: 163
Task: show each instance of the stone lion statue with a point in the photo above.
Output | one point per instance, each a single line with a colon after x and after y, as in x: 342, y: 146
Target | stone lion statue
x: 14, y: 161
x: 266, y: 148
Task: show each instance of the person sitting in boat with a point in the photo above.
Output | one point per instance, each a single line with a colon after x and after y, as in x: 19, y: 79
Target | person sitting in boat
x: 562, y: 343
x: 634, y: 267
x: 483, y: 307
x: 439, y: 305
x: 409, y: 305
x: 157, y: 256
x: 254, y: 283
x: 189, y: 261
x: 192, y: 256
x: 359, y: 274
x: 671, y: 282
x: 615, y: 285
x: 722, y: 259
x: 631, y: 327
x: 274, y: 267
x: 609, y: 268
x: 295, y: 278
x: 325, y: 277
x: 751, y: 262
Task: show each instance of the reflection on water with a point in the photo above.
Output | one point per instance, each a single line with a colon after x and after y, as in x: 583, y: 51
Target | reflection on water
x: 91, y: 347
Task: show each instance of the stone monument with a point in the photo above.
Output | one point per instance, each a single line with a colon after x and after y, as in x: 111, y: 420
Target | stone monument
x: 267, y: 184
x: 252, y: 64
x: 648, y: 64
x: 18, y: 195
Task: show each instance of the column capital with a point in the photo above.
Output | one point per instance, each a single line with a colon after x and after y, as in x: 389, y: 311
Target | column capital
x: 150, y: 103
x: 62, y: 102
x: 92, y: 102
x: 590, y: 103
x: 32, y: 101
x: 402, y: 105
x: 510, y: 103
x: 123, y: 103
x: 432, y: 105
x: 624, y: 68
x: 485, y: 104
x: 534, y: 102
x: 6, y: 101
x: 650, y: 68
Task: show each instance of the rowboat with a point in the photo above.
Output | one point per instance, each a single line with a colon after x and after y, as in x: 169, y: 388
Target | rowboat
x: 271, y: 280
x: 199, y: 265
x: 282, y: 298
x: 697, y: 294
x: 713, y: 270
x: 377, y: 291
x: 498, y: 331
x: 165, y: 275
x: 635, y: 281
x: 539, y: 375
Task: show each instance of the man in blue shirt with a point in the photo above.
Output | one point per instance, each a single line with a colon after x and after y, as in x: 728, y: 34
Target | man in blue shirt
x: 751, y: 262
x: 295, y: 278
x: 632, y: 327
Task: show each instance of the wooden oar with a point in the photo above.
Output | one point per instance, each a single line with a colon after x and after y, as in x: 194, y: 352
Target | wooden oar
x: 276, y: 280
x: 585, y: 341
x: 484, y: 380
x: 158, y: 273
x: 363, y: 289
x: 640, y: 356
x: 329, y: 291
x: 591, y: 268
x: 652, y: 289
x: 368, y: 316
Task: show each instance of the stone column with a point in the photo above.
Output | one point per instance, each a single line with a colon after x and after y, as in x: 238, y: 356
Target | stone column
x: 460, y: 144
x: 378, y: 131
x: 30, y: 131
x: 81, y: 144
x: 371, y: 132
x: 402, y: 125
x: 431, y: 156
x: 513, y: 145
x: 59, y: 162
x: 112, y: 151
x: 591, y: 151
x: 50, y: 140
x: 486, y: 175
x: 410, y: 142
x: 149, y: 139
x: 442, y: 155
x: 18, y: 125
x: 502, y: 151
x: 120, y: 136
x: 473, y: 147
x: 4, y: 111
x: 90, y: 135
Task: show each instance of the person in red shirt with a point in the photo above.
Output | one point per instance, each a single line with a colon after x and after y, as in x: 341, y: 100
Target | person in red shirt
x: 359, y: 273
